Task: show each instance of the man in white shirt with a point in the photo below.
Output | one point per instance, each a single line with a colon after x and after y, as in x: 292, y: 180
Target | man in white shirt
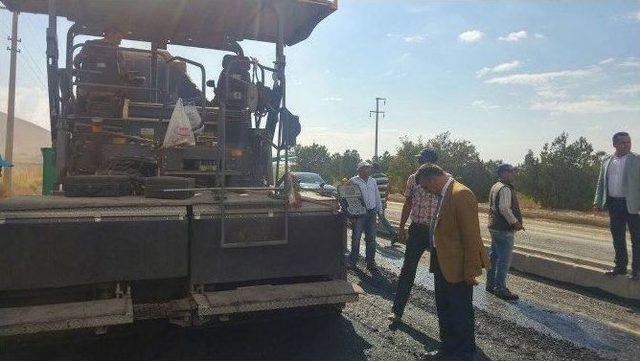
x: 618, y: 191
x: 366, y: 223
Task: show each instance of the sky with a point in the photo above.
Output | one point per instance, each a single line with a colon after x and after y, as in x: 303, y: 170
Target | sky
x: 506, y: 75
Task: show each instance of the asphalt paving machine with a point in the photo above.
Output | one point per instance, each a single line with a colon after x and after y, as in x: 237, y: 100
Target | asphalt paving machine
x: 136, y: 230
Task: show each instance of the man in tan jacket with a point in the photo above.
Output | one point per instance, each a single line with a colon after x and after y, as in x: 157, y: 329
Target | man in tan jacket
x: 457, y: 258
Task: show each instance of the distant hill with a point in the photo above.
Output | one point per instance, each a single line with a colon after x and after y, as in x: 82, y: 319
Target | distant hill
x: 27, y: 141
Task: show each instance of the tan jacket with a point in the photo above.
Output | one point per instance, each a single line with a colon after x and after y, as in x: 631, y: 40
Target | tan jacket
x: 459, y: 247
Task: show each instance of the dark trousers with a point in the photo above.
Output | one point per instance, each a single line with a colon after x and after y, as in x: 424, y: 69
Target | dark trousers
x: 417, y: 243
x: 620, y: 218
x: 364, y: 224
x: 454, y: 303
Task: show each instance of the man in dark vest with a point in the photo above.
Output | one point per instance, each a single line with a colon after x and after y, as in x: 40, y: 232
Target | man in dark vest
x: 505, y: 219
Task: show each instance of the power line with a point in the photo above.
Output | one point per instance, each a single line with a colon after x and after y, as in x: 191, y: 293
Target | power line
x: 36, y: 74
x: 7, y: 26
x: 31, y: 28
x: 26, y: 47
x: 33, y: 65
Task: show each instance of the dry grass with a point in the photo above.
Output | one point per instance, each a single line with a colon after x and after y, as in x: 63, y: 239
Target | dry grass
x: 395, y: 197
x: 527, y: 202
x: 27, y: 180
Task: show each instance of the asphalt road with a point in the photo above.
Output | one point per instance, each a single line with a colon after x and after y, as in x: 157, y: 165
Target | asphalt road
x: 574, y: 240
x: 549, y: 323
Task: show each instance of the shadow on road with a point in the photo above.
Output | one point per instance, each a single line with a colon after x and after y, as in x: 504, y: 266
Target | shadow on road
x: 428, y: 342
x: 327, y: 337
x: 391, y: 252
x: 376, y: 283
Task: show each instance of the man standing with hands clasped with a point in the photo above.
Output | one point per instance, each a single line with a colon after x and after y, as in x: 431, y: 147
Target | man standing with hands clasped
x: 367, y: 222
x: 457, y: 258
x: 618, y: 191
x: 421, y: 206
x: 505, y: 219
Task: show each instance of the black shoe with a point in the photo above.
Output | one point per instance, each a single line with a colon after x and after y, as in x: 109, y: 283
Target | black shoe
x: 506, y: 295
x: 635, y: 276
x: 616, y: 272
x: 439, y: 355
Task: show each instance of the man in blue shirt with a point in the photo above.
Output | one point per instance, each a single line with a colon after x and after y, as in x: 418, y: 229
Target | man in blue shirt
x: 4, y: 164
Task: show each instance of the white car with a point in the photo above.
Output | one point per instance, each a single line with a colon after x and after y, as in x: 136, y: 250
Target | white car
x: 313, y: 182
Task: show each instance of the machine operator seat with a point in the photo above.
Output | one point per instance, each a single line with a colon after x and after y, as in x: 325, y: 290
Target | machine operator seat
x: 97, y: 67
x: 102, y: 74
x: 235, y: 69
x: 180, y: 84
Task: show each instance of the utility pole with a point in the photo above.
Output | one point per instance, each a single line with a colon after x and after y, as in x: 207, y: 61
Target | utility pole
x: 377, y: 112
x: 11, y: 106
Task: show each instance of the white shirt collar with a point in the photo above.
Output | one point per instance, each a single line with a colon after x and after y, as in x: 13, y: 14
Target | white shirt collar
x: 446, y: 187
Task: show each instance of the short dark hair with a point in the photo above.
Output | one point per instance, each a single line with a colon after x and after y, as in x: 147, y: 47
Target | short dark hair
x: 428, y: 155
x: 618, y: 135
x: 429, y: 170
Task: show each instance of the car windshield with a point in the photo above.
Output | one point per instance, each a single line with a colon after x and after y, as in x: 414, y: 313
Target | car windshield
x: 310, y: 178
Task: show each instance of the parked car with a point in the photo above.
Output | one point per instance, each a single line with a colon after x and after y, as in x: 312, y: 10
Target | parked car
x: 310, y: 181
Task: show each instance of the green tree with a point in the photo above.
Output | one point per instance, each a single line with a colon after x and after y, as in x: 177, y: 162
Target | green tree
x: 564, y: 175
x: 384, y: 160
x: 529, y: 176
x: 312, y: 158
x: 458, y: 157
x: 403, y: 163
x: 350, y: 160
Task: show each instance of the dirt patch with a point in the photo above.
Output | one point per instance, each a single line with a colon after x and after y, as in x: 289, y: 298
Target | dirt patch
x: 395, y: 197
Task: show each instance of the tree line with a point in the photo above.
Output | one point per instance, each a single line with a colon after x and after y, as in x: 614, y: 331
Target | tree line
x: 561, y: 176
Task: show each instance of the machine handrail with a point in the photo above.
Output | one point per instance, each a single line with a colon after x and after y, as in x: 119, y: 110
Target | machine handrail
x: 71, y: 69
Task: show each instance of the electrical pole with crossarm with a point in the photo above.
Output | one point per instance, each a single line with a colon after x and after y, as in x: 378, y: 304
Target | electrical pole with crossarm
x: 11, y: 106
x: 377, y: 112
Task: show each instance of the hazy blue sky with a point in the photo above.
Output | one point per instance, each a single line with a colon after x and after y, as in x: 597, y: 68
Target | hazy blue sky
x: 506, y: 75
